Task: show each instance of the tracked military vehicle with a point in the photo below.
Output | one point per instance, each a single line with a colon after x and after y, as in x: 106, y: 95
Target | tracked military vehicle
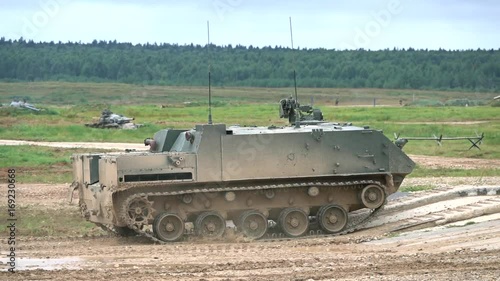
x: 213, y: 173
x: 110, y: 120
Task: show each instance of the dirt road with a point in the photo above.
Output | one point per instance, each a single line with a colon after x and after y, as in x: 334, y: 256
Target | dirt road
x: 463, y: 250
x: 461, y: 253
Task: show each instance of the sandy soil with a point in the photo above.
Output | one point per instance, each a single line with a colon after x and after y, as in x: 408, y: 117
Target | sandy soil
x: 446, y: 254
x: 465, y: 250
x: 435, y: 162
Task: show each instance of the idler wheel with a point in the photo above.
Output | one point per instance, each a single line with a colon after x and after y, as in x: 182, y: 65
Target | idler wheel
x: 168, y: 227
x: 332, y: 218
x: 210, y: 225
x: 252, y: 224
x: 294, y: 222
x: 373, y: 196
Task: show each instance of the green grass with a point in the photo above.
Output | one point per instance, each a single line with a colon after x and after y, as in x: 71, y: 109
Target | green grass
x: 44, y: 176
x: 411, y: 114
x: 33, y: 156
x: 67, y: 124
x: 417, y: 188
x: 426, y: 172
x: 66, y: 93
x: 35, y: 164
x: 463, y: 225
x: 35, y: 221
x: 68, y: 106
x: 393, y: 235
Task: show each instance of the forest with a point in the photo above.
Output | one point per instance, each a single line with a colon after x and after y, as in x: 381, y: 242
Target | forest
x: 188, y: 65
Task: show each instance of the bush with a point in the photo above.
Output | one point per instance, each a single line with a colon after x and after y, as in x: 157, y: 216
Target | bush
x: 464, y: 102
x: 455, y: 102
x: 14, y: 111
x: 203, y: 103
x: 426, y: 103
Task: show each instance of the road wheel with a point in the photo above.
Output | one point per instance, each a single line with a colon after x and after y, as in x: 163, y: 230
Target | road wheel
x: 332, y: 218
x: 168, y: 227
x: 293, y: 221
x: 252, y: 224
x: 210, y: 225
x: 373, y: 196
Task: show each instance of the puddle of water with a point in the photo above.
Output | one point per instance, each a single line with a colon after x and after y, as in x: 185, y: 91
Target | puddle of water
x: 45, y: 264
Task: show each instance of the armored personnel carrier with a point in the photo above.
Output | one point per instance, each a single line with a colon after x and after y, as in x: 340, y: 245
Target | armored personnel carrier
x: 110, y: 120
x: 212, y: 173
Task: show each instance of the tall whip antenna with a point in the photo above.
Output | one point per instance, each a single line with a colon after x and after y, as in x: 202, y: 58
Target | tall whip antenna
x: 296, y: 109
x: 209, y: 78
x: 293, y: 62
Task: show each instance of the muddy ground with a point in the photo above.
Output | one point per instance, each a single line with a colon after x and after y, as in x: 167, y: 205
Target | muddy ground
x: 465, y: 249
x: 468, y: 250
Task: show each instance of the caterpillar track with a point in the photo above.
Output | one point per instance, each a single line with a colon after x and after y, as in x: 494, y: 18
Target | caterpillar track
x: 487, y: 197
x: 354, y: 221
x: 196, y: 180
x: 365, y: 218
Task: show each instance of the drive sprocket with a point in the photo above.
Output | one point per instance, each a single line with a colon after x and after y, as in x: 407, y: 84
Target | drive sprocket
x: 137, y: 211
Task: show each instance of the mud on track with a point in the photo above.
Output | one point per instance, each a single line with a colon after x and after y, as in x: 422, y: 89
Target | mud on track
x: 463, y: 250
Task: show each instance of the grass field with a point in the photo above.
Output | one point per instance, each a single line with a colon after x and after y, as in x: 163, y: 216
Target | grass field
x: 43, y: 222
x: 68, y: 106
x: 65, y: 93
x: 67, y: 124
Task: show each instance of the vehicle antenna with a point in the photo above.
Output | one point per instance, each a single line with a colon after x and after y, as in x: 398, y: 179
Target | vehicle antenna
x: 293, y: 62
x: 297, y: 114
x: 209, y: 78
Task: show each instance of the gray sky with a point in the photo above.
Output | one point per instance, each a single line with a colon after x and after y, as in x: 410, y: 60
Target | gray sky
x: 341, y: 24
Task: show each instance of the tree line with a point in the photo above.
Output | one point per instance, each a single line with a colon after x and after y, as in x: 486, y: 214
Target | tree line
x: 188, y: 65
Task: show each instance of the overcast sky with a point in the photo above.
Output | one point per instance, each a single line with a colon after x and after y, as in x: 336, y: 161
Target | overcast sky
x: 340, y: 24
